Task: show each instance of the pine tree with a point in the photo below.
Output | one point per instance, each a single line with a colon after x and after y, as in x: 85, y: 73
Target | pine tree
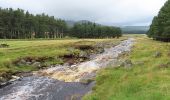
x: 160, y: 27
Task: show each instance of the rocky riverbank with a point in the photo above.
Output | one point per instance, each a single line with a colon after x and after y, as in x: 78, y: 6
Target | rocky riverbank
x: 81, y: 71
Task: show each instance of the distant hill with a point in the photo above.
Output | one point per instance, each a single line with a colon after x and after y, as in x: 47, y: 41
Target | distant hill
x: 70, y: 23
x: 83, y: 21
x: 125, y: 29
x: 135, y: 29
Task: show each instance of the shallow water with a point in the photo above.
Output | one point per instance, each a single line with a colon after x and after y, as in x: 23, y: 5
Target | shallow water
x: 62, y: 82
x: 43, y: 88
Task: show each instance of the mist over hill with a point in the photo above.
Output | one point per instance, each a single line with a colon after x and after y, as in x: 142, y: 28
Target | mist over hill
x: 134, y: 29
x: 125, y: 29
x: 70, y: 23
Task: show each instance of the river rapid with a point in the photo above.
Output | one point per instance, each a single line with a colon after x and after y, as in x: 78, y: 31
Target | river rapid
x: 63, y: 82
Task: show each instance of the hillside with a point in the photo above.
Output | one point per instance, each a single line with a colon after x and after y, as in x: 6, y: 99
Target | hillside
x: 134, y: 29
x: 70, y: 23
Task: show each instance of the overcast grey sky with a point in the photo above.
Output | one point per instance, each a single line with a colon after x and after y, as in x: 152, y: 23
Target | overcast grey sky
x: 110, y: 12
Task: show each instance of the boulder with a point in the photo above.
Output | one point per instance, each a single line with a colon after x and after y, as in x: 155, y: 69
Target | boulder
x: 2, y: 80
x: 88, y: 78
x: 127, y: 63
x: 28, y: 63
x: 76, y: 97
x: 157, y: 54
x: 14, y: 78
x: 163, y: 66
x: 139, y: 62
x: 100, y: 50
x: 36, y: 64
x: 86, y: 81
x: 83, y: 54
x: 22, y: 61
x: 167, y: 65
x: 71, y: 49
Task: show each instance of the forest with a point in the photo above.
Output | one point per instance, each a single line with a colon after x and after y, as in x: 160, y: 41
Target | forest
x: 18, y: 24
x: 93, y: 30
x: 160, y: 27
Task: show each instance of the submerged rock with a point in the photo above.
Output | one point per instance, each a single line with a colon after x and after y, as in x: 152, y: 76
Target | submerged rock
x: 86, y: 81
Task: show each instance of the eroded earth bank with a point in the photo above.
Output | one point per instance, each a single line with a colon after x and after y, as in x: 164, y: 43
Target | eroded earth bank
x: 64, y: 82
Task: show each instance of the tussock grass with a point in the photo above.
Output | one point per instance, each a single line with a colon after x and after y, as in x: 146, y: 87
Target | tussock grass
x: 147, y: 80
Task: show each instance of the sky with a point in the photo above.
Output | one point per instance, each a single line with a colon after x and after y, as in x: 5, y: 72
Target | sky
x: 107, y: 12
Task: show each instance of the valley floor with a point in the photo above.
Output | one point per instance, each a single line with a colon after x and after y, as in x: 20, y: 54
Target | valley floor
x: 148, y: 77
x: 142, y: 74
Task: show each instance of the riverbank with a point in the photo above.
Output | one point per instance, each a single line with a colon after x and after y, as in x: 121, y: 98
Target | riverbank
x: 147, y: 78
x: 81, y: 71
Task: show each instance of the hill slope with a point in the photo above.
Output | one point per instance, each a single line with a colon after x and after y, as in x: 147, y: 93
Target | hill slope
x: 135, y: 29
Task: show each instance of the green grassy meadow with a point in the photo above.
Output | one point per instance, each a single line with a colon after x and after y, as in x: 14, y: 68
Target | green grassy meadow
x: 40, y: 48
x: 148, y: 79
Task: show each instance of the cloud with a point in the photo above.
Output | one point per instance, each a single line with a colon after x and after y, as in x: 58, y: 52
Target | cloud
x: 110, y: 12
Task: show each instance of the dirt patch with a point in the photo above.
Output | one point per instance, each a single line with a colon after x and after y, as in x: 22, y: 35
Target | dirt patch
x: 168, y: 54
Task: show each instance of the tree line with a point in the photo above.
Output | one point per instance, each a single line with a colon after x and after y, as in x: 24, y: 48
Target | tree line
x: 160, y: 27
x: 93, y: 30
x: 18, y: 24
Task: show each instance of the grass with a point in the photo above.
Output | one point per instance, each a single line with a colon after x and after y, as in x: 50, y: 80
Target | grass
x: 147, y: 80
x: 39, y: 48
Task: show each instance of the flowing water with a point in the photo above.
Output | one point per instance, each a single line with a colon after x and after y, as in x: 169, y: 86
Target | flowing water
x: 62, y: 82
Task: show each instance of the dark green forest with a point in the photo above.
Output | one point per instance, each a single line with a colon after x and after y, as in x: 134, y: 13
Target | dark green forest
x: 93, y: 30
x: 160, y: 27
x: 20, y: 24
x: 17, y: 24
